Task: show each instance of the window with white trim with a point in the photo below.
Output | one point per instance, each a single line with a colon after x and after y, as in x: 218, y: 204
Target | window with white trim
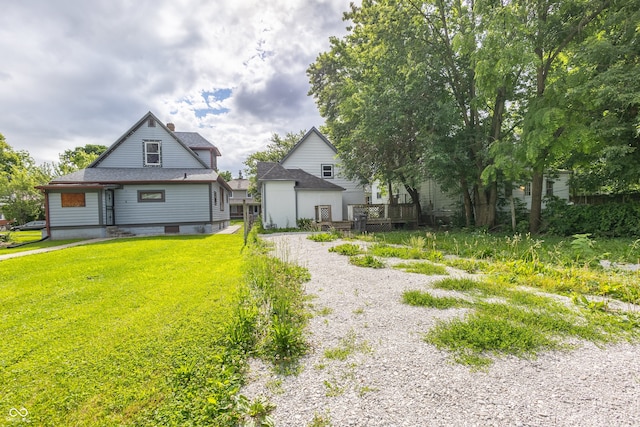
x: 152, y: 153
x: 527, y: 189
x: 327, y: 171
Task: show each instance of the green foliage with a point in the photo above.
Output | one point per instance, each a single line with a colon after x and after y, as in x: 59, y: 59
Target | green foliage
x: 348, y: 345
x: 323, y: 237
x: 426, y: 268
x: 152, y: 346
x: 348, y: 249
x: 366, y: 261
x: 609, y: 220
x: 306, y: 224
x: 425, y: 299
x: 276, y: 291
x: 275, y: 151
x: 79, y: 158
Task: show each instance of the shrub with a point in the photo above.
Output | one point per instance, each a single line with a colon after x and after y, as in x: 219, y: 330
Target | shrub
x: 349, y: 249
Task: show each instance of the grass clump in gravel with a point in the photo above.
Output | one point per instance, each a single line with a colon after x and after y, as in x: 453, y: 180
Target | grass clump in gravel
x: 523, y: 325
x: 425, y: 299
x: 471, y: 285
x: 426, y: 268
x: 471, y: 266
x: 387, y: 251
x: 348, y: 346
x: 348, y: 249
x: 323, y: 237
x: 366, y: 261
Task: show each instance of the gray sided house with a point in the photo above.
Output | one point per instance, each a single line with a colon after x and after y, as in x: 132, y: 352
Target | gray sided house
x: 152, y: 180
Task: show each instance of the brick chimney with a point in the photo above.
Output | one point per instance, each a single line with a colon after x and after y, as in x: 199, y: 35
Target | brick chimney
x: 171, y: 127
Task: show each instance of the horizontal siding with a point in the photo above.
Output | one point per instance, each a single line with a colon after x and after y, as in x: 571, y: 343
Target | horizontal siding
x: 312, y: 154
x: 130, y: 153
x: 220, y: 211
x: 279, y: 202
x: 87, y: 215
x: 183, y: 203
x: 308, y: 200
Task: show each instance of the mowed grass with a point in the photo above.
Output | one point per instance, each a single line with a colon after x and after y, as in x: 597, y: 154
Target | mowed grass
x: 18, y: 237
x: 125, y: 332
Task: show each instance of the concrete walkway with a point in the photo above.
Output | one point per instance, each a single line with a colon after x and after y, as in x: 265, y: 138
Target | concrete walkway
x: 52, y: 248
x: 229, y: 230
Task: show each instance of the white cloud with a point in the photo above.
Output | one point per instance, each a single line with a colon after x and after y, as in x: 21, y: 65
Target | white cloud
x: 74, y: 72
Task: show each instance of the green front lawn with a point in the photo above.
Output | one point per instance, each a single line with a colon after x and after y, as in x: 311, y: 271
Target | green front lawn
x: 17, y: 237
x: 125, y: 332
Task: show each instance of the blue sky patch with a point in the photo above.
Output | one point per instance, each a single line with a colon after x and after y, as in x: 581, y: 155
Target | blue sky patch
x: 213, y: 99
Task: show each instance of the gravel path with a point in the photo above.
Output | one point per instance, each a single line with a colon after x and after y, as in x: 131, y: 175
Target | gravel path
x: 394, y: 378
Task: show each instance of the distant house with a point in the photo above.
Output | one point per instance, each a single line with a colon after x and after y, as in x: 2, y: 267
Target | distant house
x: 306, y: 184
x: 439, y: 205
x: 152, y: 180
x: 240, y: 197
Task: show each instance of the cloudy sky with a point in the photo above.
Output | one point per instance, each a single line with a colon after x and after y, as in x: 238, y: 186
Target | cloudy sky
x: 76, y: 72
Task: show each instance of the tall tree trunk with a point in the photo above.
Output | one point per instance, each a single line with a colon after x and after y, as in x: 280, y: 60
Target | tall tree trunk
x: 486, y: 199
x: 468, y: 203
x: 535, y: 215
x: 415, y: 199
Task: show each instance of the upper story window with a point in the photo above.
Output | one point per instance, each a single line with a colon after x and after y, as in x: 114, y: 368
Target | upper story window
x: 152, y: 153
x: 549, y: 188
x: 327, y: 171
x: 527, y: 189
x: 151, y: 123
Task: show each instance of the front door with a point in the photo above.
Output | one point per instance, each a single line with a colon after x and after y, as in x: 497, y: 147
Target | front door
x: 111, y: 220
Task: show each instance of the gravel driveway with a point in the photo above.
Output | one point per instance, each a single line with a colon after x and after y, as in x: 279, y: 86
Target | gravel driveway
x: 394, y: 378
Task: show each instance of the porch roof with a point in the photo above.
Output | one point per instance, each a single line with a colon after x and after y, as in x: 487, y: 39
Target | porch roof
x: 137, y: 175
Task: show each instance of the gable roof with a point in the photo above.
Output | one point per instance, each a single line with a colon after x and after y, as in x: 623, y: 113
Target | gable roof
x: 135, y: 127
x: 195, y: 140
x: 271, y: 171
x: 239, y: 184
x: 313, y: 130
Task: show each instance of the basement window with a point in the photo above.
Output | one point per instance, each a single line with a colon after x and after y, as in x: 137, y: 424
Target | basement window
x: 150, y: 196
x: 72, y: 200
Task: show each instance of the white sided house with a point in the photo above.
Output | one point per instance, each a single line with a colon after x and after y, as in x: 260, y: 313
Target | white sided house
x: 152, y: 180
x: 306, y: 184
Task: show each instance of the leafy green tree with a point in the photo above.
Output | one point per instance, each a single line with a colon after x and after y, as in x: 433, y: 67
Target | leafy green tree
x: 19, y: 176
x: 79, y: 158
x: 274, y: 152
x: 553, y: 29
x: 226, y: 175
x: 607, y: 89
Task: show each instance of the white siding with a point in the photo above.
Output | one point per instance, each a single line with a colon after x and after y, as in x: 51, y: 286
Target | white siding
x: 310, y: 155
x: 279, y: 204
x: 307, y: 200
x: 130, y: 154
x: 87, y: 215
x: 560, y: 189
x: 183, y: 203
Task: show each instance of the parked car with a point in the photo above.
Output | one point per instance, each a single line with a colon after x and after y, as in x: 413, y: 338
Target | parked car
x: 31, y: 225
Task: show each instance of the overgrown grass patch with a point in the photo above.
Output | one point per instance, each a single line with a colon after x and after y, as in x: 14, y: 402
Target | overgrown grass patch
x: 366, y: 261
x: 425, y: 268
x: 323, y: 237
x: 348, y: 249
x: 425, y: 299
x: 388, y: 251
x: 471, y: 266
